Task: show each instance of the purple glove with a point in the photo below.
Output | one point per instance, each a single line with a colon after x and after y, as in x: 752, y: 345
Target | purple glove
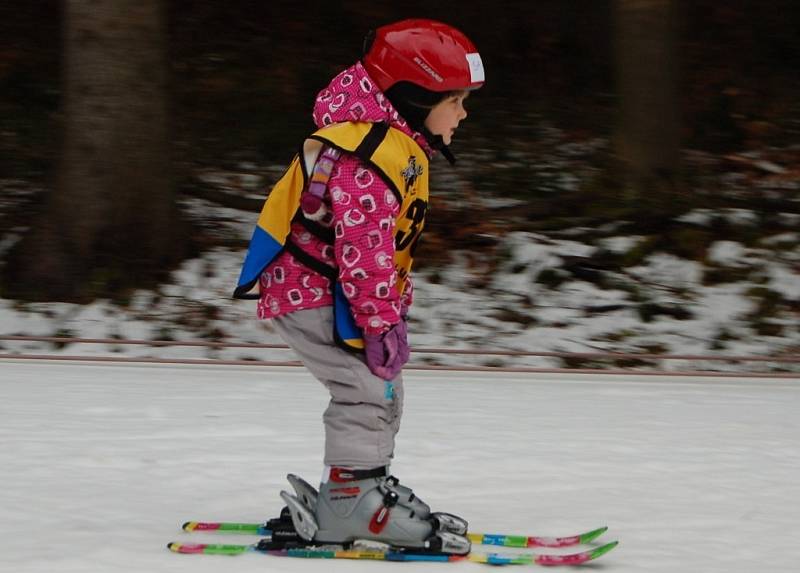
x: 387, y: 353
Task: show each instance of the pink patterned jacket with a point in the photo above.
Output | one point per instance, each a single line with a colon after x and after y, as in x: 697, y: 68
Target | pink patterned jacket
x: 362, y: 213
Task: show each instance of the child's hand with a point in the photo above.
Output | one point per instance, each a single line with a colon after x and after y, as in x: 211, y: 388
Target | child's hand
x: 387, y: 353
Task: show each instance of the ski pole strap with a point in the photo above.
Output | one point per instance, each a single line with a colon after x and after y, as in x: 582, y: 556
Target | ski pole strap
x: 343, y: 475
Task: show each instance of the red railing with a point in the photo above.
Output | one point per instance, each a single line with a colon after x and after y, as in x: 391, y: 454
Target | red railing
x: 618, y: 356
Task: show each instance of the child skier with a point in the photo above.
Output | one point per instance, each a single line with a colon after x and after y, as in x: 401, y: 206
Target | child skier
x: 329, y: 263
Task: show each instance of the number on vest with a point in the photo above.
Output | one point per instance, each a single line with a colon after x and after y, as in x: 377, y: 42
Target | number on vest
x: 415, y: 214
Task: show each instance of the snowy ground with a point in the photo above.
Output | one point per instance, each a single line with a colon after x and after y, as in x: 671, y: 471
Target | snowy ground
x: 100, y: 464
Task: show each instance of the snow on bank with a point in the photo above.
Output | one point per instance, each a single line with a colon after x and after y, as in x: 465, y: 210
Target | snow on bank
x: 661, y: 305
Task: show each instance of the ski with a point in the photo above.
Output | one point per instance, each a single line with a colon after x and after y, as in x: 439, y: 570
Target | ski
x: 227, y: 527
x: 501, y: 540
x: 393, y: 555
x: 535, y: 540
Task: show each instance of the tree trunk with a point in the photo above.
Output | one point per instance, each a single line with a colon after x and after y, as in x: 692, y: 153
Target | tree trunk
x: 648, y: 135
x: 110, y: 221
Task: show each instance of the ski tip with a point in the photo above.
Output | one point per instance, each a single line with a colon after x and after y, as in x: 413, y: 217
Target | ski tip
x: 188, y: 526
x: 190, y: 548
x: 603, y: 549
x: 594, y: 534
x: 575, y: 558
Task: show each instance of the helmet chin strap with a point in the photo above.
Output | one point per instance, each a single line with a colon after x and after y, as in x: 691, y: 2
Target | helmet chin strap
x: 437, y: 142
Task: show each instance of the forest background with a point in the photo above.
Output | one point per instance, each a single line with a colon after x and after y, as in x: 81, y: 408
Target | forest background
x: 595, y: 112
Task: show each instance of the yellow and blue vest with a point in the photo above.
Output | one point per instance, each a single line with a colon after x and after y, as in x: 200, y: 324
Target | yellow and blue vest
x: 395, y: 157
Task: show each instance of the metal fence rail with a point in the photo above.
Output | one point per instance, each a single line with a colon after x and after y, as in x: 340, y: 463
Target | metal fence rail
x: 619, y: 356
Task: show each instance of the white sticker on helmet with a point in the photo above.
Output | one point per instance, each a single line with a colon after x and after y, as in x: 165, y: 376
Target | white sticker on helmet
x: 475, y: 67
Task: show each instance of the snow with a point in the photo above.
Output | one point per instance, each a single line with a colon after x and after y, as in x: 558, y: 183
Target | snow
x: 100, y: 464
x: 536, y: 294
x: 727, y: 253
x: 668, y: 270
x: 621, y: 244
x: 735, y: 216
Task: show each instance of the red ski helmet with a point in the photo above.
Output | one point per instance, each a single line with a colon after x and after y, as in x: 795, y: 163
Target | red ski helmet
x: 427, y: 53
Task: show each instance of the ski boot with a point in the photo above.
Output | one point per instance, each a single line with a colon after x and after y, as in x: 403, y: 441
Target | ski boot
x: 442, y: 521
x: 366, y: 505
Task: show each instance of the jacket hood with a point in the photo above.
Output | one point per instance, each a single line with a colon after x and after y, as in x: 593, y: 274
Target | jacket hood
x: 354, y: 96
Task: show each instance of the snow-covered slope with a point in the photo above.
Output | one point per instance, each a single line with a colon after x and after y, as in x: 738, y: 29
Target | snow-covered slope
x: 100, y: 464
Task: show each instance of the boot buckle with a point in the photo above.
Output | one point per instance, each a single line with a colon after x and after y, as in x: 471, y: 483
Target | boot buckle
x: 381, y: 516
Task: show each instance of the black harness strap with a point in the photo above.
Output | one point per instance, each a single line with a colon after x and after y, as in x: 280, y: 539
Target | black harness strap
x: 314, y: 264
x: 340, y: 475
x: 324, y: 234
x: 377, y: 133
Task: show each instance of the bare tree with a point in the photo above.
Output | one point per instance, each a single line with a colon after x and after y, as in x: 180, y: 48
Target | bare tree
x: 110, y: 220
x: 648, y: 134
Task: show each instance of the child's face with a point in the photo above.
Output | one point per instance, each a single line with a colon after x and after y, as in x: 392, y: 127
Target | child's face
x: 445, y: 116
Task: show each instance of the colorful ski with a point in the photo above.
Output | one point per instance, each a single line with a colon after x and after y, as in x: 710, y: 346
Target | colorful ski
x: 501, y: 540
x: 227, y: 527
x: 535, y: 540
x: 377, y: 555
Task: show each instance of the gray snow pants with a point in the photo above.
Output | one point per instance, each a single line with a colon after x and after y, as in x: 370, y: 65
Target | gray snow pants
x: 364, y: 412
